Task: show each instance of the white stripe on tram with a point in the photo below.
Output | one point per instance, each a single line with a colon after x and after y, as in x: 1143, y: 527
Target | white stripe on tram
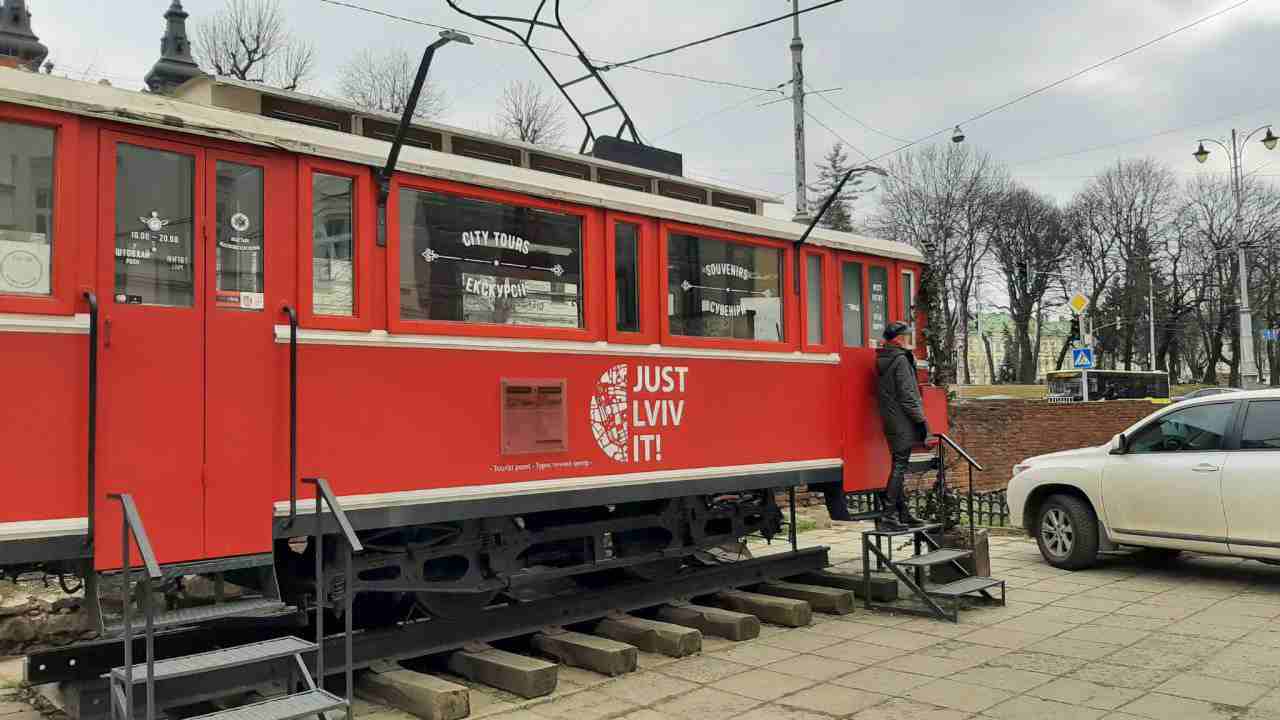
x: 39, y: 529
x: 48, y: 324
x: 537, y: 487
x: 382, y: 338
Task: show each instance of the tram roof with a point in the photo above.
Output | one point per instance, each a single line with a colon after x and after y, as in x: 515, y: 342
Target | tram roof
x: 161, y: 111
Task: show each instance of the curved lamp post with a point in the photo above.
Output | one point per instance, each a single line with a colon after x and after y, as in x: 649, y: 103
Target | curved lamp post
x: 1235, y: 152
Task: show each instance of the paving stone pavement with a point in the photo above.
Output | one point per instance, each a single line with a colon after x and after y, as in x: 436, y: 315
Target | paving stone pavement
x: 1197, y: 640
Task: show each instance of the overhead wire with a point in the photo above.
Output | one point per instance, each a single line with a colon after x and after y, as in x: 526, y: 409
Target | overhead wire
x: 1049, y: 86
x: 501, y: 41
x: 1139, y: 138
x: 718, y: 36
x: 720, y: 111
x: 854, y: 118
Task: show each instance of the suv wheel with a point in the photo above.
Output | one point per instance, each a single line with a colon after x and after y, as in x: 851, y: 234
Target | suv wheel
x: 1067, y: 532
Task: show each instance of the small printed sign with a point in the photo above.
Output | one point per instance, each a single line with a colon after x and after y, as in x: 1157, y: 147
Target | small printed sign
x: 1078, y: 302
x: 1082, y: 358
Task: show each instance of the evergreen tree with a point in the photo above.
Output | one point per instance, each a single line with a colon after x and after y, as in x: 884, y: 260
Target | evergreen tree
x: 831, y: 171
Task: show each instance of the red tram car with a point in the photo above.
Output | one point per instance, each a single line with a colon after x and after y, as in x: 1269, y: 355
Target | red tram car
x: 585, y: 356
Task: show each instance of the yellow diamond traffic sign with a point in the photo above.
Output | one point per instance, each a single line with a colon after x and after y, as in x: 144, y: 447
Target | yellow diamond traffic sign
x: 1078, y: 302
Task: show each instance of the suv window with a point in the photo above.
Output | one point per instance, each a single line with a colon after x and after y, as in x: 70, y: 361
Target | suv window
x: 1194, y: 429
x: 1261, y: 426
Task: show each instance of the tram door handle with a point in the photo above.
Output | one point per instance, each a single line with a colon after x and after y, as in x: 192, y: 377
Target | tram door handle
x: 106, y: 333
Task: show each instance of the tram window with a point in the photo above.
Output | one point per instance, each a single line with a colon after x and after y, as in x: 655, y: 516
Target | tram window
x: 238, y: 217
x: 467, y: 260
x: 626, y: 270
x: 332, y: 245
x: 724, y: 289
x: 155, y: 204
x: 878, y: 282
x: 813, y: 298
x: 26, y: 209
x: 851, y: 312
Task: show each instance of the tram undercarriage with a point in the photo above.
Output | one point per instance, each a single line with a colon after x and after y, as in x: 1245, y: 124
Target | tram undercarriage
x: 451, y: 569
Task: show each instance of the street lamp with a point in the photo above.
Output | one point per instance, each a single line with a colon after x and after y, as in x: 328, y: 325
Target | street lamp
x: 1235, y: 151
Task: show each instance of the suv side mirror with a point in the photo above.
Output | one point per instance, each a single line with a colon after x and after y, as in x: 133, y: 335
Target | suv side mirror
x: 1119, y: 444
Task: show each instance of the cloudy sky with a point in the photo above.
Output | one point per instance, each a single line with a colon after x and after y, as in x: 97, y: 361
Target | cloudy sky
x: 906, y: 69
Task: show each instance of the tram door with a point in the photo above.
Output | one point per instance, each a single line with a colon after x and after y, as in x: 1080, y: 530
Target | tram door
x: 861, y: 289
x: 167, y: 271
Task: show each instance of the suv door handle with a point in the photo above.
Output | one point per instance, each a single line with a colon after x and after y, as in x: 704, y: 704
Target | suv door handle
x: 1205, y: 467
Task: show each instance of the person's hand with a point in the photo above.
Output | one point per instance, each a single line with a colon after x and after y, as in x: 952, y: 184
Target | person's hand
x: 924, y: 430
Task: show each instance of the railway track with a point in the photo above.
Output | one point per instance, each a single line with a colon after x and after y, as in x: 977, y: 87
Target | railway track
x: 595, y: 629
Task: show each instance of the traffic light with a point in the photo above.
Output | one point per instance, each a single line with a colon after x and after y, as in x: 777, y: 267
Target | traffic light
x: 1075, y: 328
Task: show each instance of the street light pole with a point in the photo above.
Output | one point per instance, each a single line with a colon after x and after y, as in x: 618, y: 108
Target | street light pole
x: 1248, y: 368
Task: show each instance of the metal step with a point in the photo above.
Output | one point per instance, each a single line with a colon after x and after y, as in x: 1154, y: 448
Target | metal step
x: 287, y: 707
x: 255, y: 607
x: 937, y: 557
x: 904, y: 531
x: 868, y: 515
x: 964, y: 586
x: 217, y: 659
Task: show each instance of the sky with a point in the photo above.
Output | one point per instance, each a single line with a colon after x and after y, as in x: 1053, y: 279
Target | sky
x: 897, y: 70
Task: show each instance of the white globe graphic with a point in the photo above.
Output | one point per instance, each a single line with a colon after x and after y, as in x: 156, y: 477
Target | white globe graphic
x: 609, y: 413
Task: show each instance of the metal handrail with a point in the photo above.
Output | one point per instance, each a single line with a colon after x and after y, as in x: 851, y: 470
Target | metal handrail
x: 131, y: 523
x: 955, y: 446
x: 325, y: 493
x: 945, y: 440
x: 293, y: 412
x: 91, y: 461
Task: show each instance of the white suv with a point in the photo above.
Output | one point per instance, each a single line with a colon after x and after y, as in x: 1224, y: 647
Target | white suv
x: 1201, y: 475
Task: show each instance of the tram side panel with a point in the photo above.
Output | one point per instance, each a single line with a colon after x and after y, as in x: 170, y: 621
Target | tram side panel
x: 435, y: 418
x: 43, y: 417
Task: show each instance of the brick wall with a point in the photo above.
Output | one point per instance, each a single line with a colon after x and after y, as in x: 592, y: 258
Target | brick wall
x: 1000, y: 433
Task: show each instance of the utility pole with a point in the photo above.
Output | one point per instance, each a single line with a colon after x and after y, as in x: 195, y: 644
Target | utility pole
x: 797, y: 102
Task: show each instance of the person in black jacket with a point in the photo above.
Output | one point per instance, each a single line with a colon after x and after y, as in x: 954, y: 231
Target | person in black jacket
x: 902, y: 412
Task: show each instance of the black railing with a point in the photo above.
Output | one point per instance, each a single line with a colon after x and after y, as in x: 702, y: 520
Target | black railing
x: 944, y: 441
x: 91, y: 461
x: 293, y: 412
x: 325, y: 496
x: 131, y: 524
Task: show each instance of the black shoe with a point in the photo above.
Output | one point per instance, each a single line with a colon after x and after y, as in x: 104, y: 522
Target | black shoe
x: 906, y: 519
x: 889, y: 523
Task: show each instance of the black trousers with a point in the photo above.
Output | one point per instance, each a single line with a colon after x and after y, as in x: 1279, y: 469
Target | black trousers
x: 895, y: 499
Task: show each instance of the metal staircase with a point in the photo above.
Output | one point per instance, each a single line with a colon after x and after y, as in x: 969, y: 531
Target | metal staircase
x: 304, y: 693
x: 927, y: 551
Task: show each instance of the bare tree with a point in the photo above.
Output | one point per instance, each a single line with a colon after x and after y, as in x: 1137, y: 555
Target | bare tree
x: 1029, y: 244
x: 1209, y: 214
x: 525, y: 113
x: 382, y: 81
x: 248, y: 39
x: 940, y: 200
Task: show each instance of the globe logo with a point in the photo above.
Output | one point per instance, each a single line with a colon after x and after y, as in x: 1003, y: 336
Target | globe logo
x: 609, y: 422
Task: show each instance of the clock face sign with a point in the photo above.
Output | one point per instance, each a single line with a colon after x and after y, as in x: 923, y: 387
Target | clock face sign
x: 240, y: 222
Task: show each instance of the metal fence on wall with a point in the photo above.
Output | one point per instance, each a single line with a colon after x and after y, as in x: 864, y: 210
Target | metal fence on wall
x: 990, y: 509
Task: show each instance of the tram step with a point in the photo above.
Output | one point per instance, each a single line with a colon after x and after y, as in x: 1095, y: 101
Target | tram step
x: 253, y: 607
x: 964, y: 586
x: 928, y: 527
x: 865, y: 516
x: 288, y: 707
x: 936, y: 557
x: 217, y: 659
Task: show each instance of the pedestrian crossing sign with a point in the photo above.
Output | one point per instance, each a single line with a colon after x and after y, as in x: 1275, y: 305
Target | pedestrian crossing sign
x: 1082, y: 358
